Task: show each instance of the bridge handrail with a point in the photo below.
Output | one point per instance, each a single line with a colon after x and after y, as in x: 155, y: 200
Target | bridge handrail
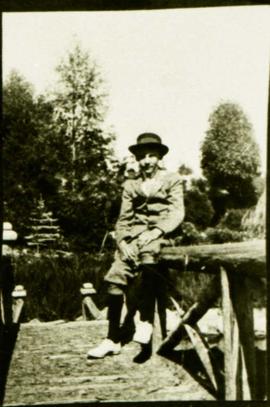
x: 247, y: 257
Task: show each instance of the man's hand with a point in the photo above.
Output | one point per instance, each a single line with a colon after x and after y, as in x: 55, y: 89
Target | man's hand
x: 148, y: 236
x: 126, y: 252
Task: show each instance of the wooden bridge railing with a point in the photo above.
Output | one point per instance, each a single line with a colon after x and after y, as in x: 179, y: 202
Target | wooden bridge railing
x: 246, y: 258
x: 236, y: 265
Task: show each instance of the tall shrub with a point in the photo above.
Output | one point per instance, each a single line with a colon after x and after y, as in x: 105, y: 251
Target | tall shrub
x: 230, y: 158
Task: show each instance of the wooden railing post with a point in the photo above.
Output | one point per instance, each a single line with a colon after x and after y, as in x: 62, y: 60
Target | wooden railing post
x: 239, y: 347
x: 9, y: 236
x: 243, y: 305
x: 230, y: 329
x: 18, y: 295
x: 89, y: 308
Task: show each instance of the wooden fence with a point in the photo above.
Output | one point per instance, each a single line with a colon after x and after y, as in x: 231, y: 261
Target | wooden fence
x: 237, y: 265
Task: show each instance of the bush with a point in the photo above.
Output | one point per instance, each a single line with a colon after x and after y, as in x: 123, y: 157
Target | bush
x: 53, y: 283
x: 189, y: 287
x: 188, y: 235
x: 224, y: 235
x: 232, y: 219
x: 199, y: 209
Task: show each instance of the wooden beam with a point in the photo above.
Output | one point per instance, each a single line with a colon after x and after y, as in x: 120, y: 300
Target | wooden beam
x: 247, y: 258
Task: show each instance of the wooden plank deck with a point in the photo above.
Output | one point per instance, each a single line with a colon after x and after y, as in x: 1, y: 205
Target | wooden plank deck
x: 49, y: 365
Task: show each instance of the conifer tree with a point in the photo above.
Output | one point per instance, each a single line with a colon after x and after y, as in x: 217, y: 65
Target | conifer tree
x: 44, y: 229
x: 230, y: 159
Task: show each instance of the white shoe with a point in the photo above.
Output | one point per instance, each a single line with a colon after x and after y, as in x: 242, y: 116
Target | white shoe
x: 143, y: 332
x: 107, y: 347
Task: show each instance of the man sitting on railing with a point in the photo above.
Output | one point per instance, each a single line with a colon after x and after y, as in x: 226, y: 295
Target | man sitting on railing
x: 152, y: 207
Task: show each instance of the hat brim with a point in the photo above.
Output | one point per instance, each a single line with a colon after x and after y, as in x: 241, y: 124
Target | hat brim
x: 136, y: 148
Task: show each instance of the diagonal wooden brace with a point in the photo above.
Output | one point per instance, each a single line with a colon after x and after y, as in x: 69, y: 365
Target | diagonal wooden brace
x: 202, y: 348
x: 192, y: 315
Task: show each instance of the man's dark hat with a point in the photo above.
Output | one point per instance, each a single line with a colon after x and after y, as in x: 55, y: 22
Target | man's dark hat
x: 148, y: 140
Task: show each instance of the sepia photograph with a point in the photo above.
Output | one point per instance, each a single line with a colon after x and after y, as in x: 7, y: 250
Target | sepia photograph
x: 134, y: 170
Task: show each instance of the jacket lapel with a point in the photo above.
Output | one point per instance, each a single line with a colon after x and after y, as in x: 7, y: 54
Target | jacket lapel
x: 156, y: 185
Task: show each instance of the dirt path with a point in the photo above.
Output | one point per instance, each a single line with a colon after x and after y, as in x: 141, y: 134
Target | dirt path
x: 49, y: 365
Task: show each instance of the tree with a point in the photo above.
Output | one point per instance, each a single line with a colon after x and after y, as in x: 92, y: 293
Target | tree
x: 198, y: 207
x: 43, y: 228
x: 83, y: 150
x: 230, y: 159
x: 27, y: 164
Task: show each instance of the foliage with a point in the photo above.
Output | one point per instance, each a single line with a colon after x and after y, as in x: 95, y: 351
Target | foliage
x: 189, y: 287
x: 198, y: 207
x: 83, y: 151
x: 27, y: 162
x: 53, y: 283
x: 224, y: 235
x: 254, y: 220
x: 232, y: 219
x: 62, y: 152
x: 230, y: 157
x: 188, y: 235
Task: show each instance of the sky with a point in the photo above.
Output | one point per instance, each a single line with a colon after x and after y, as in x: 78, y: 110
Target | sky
x: 165, y: 71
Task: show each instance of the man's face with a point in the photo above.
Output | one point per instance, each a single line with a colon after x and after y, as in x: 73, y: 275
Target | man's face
x: 148, y: 159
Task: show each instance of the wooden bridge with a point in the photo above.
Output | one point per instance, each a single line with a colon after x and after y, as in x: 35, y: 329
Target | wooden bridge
x: 49, y: 366
x: 235, y: 266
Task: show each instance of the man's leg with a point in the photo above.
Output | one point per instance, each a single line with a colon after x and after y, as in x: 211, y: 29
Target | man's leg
x: 147, y: 301
x: 117, y: 279
x: 111, y: 345
x: 115, y: 305
x: 154, y: 291
x: 132, y: 294
x: 161, y: 290
x: 146, y: 305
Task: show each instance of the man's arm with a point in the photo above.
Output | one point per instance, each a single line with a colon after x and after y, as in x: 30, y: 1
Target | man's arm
x: 176, y: 211
x: 122, y: 227
x: 148, y: 236
x: 172, y: 219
